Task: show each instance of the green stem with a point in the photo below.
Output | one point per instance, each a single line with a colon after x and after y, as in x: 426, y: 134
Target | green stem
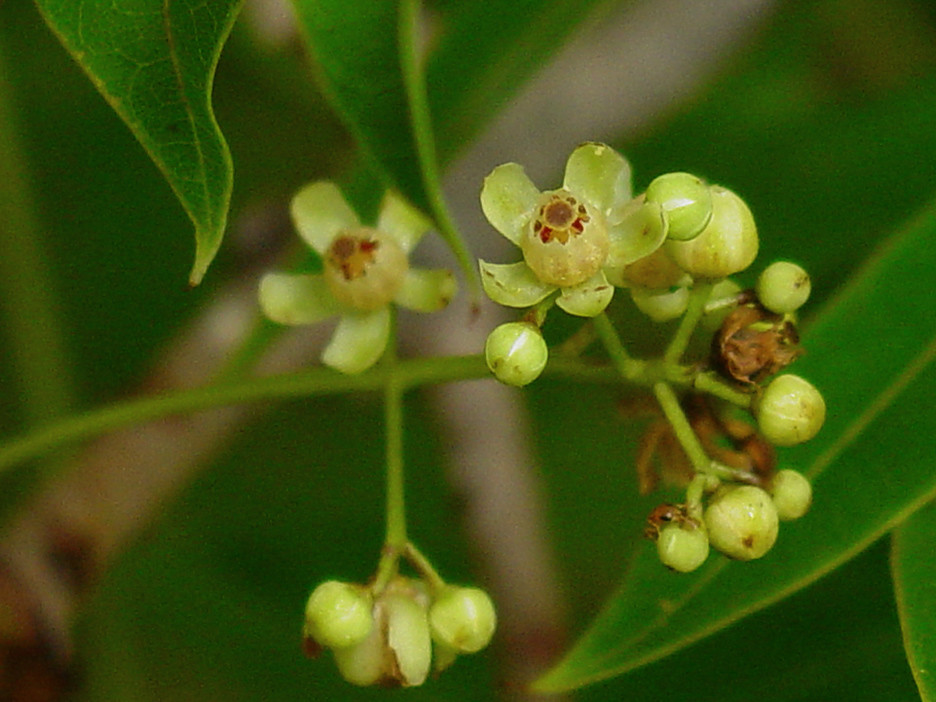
x: 409, y: 373
x: 697, y: 487
x: 629, y: 368
x: 395, y: 539
x: 393, y: 430
x: 684, y: 434
x: 711, y: 384
x: 698, y: 296
x: 28, y: 305
x: 414, y: 78
x: 425, y: 569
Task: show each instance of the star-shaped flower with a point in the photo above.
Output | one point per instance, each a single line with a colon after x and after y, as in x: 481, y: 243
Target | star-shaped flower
x: 365, y: 269
x: 570, y: 237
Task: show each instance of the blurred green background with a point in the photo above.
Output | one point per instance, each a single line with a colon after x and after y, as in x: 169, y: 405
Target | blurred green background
x: 823, y: 118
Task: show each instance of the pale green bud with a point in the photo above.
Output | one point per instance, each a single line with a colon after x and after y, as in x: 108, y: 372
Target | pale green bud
x: 712, y: 319
x: 408, y: 639
x: 682, y: 547
x: 656, y: 271
x: 742, y: 522
x: 686, y: 203
x: 790, y: 410
x: 783, y: 287
x: 516, y: 353
x: 398, y: 650
x: 463, y: 619
x: 661, y: 305
x: 792, y: 494
x: 727, y: 245
x: 363, y: 663
x: 338, y: 614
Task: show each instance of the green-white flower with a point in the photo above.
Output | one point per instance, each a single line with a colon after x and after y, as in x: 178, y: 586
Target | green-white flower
x: 365, y: 270
x: 568, y: 236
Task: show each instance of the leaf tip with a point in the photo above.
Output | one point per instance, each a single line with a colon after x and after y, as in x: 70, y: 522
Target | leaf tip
x: 206, y: 248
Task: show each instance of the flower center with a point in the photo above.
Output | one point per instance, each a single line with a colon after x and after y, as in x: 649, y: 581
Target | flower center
x: 364, y: 268
x: 352, y: 255
x: 559, y: 218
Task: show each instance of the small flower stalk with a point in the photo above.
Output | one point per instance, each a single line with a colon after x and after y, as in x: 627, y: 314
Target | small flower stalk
x: 365, y: 270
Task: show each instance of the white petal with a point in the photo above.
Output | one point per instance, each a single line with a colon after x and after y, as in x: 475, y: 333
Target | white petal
x: 587, y: 299
x: 358, y: 342
x: 402, y: 221
x: 319, y: 211
x: 513, y: 284
x: 426, y: 291
x: 508, y: 199
x: 296, y: 299
x: 599, y: 174
x: 640, y: 230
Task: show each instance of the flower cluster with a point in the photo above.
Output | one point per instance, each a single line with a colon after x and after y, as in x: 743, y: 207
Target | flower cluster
x: 365, y: 269
x: 673, y: 248
x: 677, y: 242
x: 592, y: 235
x: 390, y: 637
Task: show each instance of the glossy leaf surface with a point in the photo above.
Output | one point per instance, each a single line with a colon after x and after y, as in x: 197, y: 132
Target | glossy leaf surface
x: 875, y: 377
x: 914, y: 571
x: 154, y: 62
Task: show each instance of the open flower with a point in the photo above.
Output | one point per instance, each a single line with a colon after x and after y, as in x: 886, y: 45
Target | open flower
x: 365, y: 269
x: 569, y: 236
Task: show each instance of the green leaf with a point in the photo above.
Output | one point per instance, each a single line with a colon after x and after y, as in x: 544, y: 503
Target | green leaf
x: 154, y: 61
x: 357, y: 50
x: 914, y: 572
x: 871, y: 353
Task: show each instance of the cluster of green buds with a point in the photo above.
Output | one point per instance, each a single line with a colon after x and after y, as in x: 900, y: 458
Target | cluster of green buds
x: 740, y: 521
x: 674, y: 249
x: 395, y: 635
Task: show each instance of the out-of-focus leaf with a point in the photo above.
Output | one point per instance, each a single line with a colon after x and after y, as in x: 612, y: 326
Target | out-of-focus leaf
x: 914, y: 571
x: 154, y: 62
x: 356, y: 45
x: 871, y: 353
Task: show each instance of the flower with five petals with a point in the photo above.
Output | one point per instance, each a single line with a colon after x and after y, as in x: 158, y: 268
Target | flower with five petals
x: 365, y: 269
x: 570, y: 237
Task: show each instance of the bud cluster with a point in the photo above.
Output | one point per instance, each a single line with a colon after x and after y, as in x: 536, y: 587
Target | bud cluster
x: 390, y: 638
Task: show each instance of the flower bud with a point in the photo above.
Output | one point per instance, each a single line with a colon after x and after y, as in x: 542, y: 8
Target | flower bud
x: 727, y: 245
x: 661, y: 305
x: 656, y: 271
x: 463, y: 619
x: 682, y: 547
x: 792, y: 494
x: 338, y: 614
x: 712, y: 319
x: 398, y: 649
x: 783, y: 287
x: 742, y: 522
x: 686, y: 203
x: 516, y: 353
x: 790, y: 410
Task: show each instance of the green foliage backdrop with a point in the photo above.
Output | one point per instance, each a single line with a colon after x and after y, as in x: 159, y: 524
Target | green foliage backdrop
x: 823, y: 121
